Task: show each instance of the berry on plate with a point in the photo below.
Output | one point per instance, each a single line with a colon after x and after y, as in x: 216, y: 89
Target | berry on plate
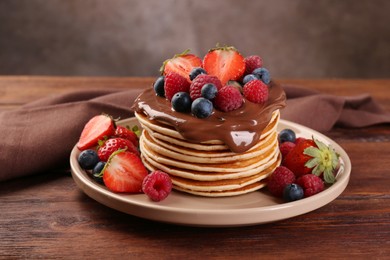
x: 199, y: 82
x: 292, y: 192
x: 87, y: 159
x: 174, y: 83
x: 279, y: 179
x: 157, y: 185
x: 97, y: 128
x: 299, y: 139
x: 124, y: 172
x: 313, y: 156
x: 285, y: 148
x: 224, y: 62
x: 111, y: 145
x: 311, y: 184
x: 228, y: 98
x: 182, y: 64
x: 127, y: 133
x: 286, y: 135
x: 256, y: 91
x: 97, y: 172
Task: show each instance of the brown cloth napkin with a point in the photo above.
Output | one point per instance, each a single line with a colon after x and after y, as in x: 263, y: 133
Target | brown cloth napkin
x: 39, y: 136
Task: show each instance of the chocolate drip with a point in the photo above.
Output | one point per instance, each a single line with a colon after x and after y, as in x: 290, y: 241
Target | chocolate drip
x: 239, y: 129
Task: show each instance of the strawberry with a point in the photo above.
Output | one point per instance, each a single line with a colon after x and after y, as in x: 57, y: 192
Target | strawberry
x: 224, y: 62
x: 312, y: 156
x: 126, y: 133
x: 97, y: 128
x: 124, y: 172
x: 182, y: 64
x: 114, y: 144
x: 175, y: 83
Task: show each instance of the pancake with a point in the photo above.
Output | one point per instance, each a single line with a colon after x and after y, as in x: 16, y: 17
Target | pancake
x: 209, y: 168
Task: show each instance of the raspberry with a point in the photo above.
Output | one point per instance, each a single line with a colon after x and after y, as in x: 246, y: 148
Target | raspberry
x: 256, y: 91
x: 285, y: 148
x: 200, y: 81
x: 311, y: 184
x: 175, y: 83
x: 252, y: 62
x: 279, y: 179
x: 228, y: 98
x: 157, y: 185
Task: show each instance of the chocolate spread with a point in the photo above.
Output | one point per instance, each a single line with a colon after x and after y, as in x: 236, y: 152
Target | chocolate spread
x: 239, y: 129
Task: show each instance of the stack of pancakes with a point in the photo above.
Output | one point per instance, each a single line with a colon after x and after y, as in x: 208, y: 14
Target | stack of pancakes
x: 209, y: 168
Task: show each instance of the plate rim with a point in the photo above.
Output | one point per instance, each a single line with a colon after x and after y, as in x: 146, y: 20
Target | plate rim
x: 206, y: 217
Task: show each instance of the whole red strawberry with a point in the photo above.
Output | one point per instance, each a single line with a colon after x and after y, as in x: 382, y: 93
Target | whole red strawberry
x: 224, y: 62
x: 228, y: 98
x: 256, y: 91
x: 109, y: 146
x: 182, y: 64
x: 174, y: 83
x: 200, y: 81
x: 296, y: 159
x: 252, y: 62
x: 312, y: 156
x: 311, y: 184
x: 279, y: 179
x: 126, y: 133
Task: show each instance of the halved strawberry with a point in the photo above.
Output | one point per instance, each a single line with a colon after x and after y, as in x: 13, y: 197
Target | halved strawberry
x: 111, y: 145
x: 224, y: 62
x: 124, y: 172
x: 96, y: 129
x: 182, y: 64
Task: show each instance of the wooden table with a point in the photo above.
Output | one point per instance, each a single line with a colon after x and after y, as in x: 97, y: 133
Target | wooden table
x: 48, y: 216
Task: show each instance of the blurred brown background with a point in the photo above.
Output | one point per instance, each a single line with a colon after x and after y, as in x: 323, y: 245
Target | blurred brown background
x: 296, y: 38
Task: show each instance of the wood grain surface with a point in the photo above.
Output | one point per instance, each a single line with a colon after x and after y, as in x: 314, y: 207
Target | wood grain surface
x: 47, y: 216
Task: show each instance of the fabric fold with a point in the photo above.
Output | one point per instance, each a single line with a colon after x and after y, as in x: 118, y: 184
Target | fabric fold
x: 40, y: 135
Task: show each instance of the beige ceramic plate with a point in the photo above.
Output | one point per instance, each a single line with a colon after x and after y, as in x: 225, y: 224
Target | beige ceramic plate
x: 184, y: 209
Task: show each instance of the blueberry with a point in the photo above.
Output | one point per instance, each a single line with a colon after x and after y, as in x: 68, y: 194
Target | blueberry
x: 202, y: 108
x: 88, y: 159
x: 292, y: 192
x: 209, y: 91
x: 196, y: 71
x: 97, y: 172
x: 159, y: 86
x: 248, y: 78
x: 262, y: 74
x: 287, y: 135
x: 181, y: 102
